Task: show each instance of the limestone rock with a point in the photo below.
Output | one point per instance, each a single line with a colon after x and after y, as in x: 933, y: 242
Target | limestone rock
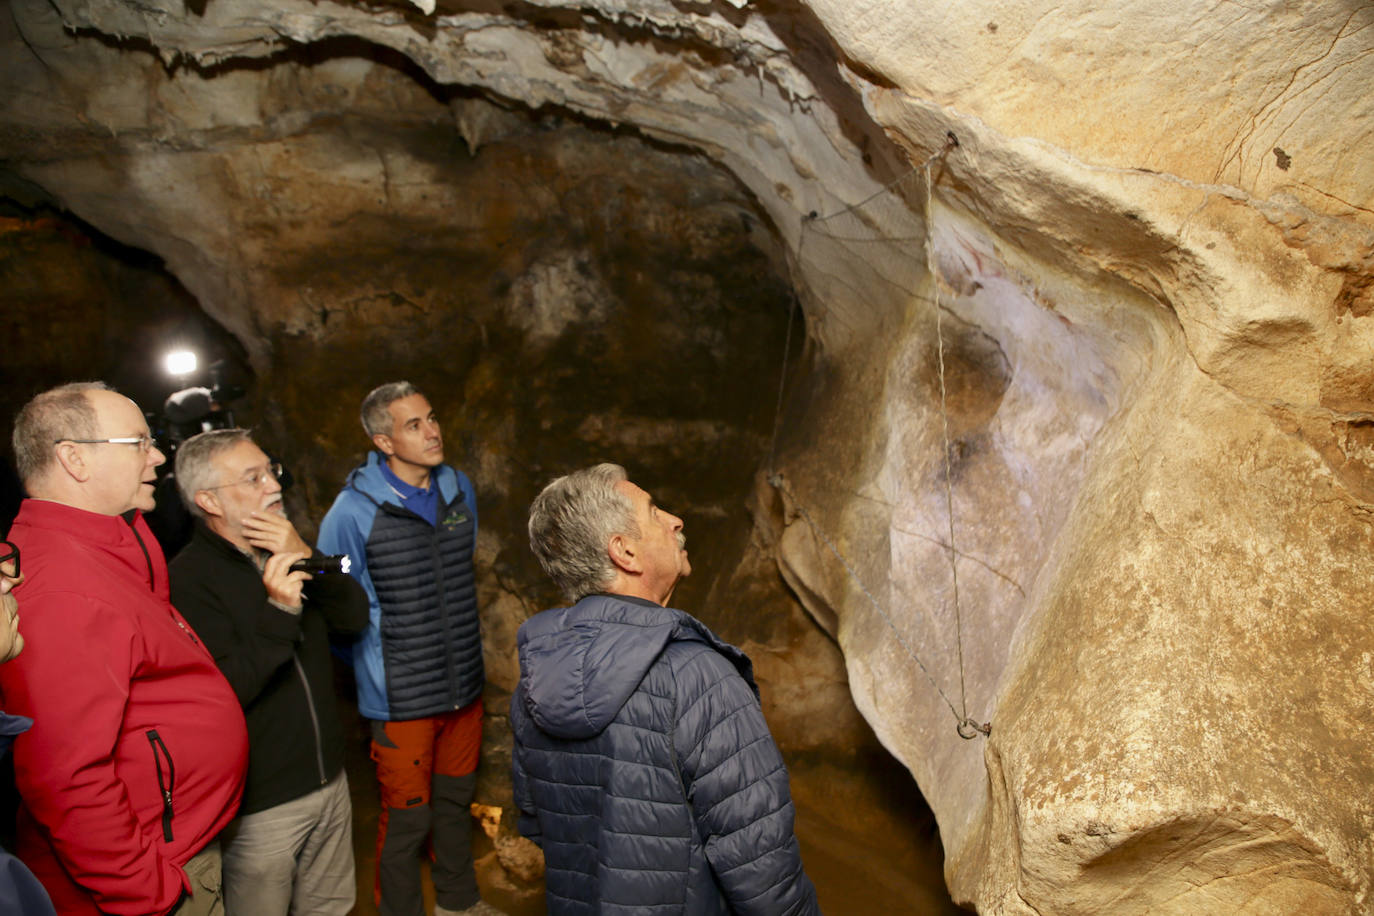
x: 1128, y: 522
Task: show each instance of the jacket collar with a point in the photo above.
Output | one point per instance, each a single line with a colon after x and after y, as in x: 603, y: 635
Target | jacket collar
x: 126, y: 538
x: 217, y: 542
x: 368, y: 480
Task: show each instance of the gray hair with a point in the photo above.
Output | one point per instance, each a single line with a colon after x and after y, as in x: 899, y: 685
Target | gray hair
x: 195, y: 470
x: 571, y: 524
x: 64, y: 412
x: 377, y: 419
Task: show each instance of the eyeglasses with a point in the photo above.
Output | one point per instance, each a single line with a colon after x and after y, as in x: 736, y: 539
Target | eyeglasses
x: 257, y: 479
x: 144, y: 442
x: 9, y: 553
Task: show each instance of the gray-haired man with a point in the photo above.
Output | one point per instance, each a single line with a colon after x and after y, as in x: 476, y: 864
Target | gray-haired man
x: 642, y: 765
x: 268, y: 628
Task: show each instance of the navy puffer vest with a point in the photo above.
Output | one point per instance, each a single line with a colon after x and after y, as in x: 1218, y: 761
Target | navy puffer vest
x: 431, y: 637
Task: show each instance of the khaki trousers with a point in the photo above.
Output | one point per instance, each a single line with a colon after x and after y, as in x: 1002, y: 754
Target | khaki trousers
x: 207, y: 895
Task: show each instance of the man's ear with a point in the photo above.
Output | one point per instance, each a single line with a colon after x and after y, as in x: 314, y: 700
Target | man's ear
x: 73, y: 461
x: 383, y: 443
x: 209, y: 503
x: 622, y: 554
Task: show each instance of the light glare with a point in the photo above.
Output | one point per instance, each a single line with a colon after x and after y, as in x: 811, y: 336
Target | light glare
x: 181, y: 362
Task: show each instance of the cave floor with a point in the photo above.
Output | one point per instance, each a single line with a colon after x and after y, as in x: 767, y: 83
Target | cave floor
x: 868, y: 840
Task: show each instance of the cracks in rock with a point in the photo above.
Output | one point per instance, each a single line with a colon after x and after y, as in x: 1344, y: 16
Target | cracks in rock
x: 511, y: 586
x: 1329, y: 196
x: 1243, y: 135
x: 1202, y: 205
x: 1225, y: 26
x: 962, y: 555
x: 941, y: 544
x: 1339, y: 441
x: 33, y: 48
x: 1150, y: 517
x: 386, y: 173
x: 1025, y: 901
x: 1185, y: 855
x: 1273, y: 212
x: 1318, y: 411
x: 390, y: 297
x: 1229, y: 192
x: 263, y: 185
x: 1005, y: 803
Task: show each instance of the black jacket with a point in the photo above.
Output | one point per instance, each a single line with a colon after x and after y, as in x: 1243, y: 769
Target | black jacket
x: 278, y: 663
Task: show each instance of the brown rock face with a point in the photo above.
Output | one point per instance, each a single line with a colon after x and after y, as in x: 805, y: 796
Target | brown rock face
x: 1076, y: 433
x: 74, y: 305
x: 565, y: 295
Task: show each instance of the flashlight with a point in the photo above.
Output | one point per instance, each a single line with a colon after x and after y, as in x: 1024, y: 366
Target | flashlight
x: 318, y: 566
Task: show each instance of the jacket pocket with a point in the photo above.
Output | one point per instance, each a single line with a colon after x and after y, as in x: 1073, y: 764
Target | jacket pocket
x: 166, y: 779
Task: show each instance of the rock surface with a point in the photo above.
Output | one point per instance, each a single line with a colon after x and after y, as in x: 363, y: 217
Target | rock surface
x: 1140, y: 242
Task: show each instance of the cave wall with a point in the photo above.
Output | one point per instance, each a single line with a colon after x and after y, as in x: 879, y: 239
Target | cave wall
x: 1147, y: 241
x: 74, y: 301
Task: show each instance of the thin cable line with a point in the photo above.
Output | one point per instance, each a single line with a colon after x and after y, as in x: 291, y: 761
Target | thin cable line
x: 881, y: 191
x: 778, y: 482
x: 944, y: 425
x: 967, y: 727
x: 786, y: 351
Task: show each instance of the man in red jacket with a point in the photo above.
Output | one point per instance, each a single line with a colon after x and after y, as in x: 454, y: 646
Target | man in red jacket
x: 136, y: 758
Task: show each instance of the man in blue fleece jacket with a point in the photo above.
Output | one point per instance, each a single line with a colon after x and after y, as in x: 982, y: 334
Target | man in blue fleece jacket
x: 408, y: 522
x: 642, y: 762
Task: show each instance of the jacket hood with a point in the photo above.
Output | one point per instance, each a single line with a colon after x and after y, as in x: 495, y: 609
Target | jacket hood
x: 367, y: 479
x: 579, y: 665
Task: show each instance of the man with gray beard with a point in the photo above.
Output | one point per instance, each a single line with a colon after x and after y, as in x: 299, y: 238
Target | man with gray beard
x: 267, y: 626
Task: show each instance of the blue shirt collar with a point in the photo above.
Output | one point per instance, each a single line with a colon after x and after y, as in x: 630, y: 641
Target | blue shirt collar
x: 406, y: 490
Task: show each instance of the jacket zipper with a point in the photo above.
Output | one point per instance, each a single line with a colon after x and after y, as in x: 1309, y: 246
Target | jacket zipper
x: 165, y: 787
x: 147, y: 557
x: 437, y: 559
x: 314, y: 719
x: 436, y: 556
x: 187, y: 630
x: 152, y: 580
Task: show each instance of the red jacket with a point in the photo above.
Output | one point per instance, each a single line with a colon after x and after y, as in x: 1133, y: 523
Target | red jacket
x: 123, y: 697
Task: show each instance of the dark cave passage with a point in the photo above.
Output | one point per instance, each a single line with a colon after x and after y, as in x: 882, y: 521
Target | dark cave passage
x: 584, y: 318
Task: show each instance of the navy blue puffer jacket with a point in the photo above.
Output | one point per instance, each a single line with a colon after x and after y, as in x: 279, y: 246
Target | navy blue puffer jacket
x: 645, y: 770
